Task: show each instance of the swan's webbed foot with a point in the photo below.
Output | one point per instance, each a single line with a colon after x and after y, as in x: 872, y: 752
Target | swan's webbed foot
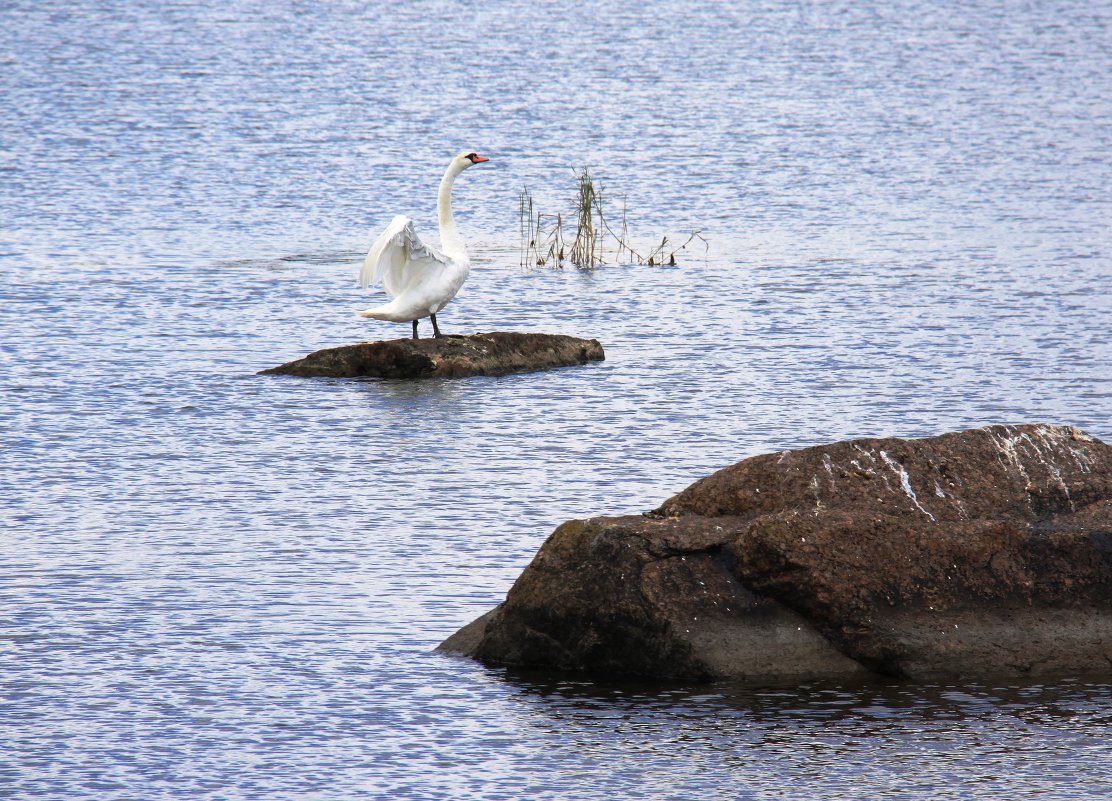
x: 435, y: 328
x: 415, y: 330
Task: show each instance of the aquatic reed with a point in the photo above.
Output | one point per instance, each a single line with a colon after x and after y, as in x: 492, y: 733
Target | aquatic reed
x: 543, y: 238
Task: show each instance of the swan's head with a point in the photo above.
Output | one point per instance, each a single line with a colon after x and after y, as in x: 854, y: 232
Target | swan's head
x: 467, y: 158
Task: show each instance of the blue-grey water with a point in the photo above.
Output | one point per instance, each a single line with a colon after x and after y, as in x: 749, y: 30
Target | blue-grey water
x: 216, y: 585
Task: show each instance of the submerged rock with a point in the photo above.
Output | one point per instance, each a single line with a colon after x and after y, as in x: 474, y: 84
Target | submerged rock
x: 985, y: 552
x: 453, y: 356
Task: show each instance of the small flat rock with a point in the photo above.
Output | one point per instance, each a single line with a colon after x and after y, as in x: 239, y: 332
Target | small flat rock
x: 453, y: 356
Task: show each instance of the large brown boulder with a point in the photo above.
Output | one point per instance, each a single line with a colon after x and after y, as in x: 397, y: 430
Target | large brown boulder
x: 985, y: 552
x: 453, y: 356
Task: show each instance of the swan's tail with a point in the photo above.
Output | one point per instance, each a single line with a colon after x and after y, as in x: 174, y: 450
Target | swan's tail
x: 387, y: 311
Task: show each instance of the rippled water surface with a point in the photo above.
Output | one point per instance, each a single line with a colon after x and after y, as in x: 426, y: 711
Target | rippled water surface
x: 219, y: 585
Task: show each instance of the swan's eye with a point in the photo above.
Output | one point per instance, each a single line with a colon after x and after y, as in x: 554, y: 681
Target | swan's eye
x: 471, y: 157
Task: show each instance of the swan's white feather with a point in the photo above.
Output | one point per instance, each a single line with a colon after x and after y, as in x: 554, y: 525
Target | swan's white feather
x: 398, y: 258
x: 419, y: 278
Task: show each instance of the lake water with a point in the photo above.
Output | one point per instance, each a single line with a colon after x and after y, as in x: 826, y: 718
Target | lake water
x: 216, y: 585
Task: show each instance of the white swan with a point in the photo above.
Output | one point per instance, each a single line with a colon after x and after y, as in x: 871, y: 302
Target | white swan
x: 420, y: 279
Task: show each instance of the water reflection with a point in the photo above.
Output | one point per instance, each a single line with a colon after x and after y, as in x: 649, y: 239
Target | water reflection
x: 845, y: 740
x: 861, y: 703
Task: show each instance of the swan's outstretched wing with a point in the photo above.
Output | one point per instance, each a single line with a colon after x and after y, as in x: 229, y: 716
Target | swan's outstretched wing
x: 399, y: 259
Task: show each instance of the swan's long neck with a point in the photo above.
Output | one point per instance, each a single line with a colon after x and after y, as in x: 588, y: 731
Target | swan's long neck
x: 450, y: 242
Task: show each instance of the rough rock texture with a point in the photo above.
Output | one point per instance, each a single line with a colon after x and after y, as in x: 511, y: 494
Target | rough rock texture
x: 453, y: 356
x: 985, y: 552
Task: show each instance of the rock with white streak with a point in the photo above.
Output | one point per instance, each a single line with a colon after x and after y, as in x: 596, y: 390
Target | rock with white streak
x: 981, y: 553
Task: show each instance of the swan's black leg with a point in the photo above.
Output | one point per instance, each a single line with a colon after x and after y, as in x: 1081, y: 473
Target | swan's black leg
x: 435, y: 329
x: 415, y: 329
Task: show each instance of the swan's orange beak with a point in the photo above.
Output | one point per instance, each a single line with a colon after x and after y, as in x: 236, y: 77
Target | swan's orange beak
x: 477, y: 159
